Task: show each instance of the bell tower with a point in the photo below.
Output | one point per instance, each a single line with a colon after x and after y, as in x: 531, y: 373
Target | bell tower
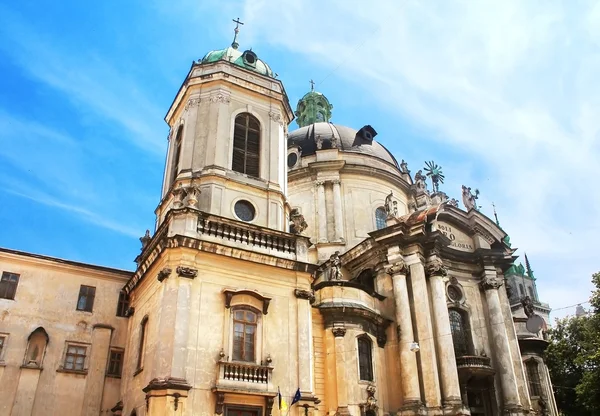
x: 227, y: 141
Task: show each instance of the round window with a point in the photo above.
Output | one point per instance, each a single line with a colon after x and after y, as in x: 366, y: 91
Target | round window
x: 454, y: 293
x: 244, y: 210
x: 292, y: 160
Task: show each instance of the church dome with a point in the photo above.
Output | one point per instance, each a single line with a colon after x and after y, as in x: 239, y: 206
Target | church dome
x: 247, y: 59
x: 329, y: 135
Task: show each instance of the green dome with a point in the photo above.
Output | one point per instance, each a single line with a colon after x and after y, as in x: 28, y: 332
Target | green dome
x: 247, y: 60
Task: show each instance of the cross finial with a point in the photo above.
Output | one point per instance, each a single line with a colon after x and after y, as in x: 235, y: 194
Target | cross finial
x: 312, y: 85
x: 496, y: 215
x: 237, y: 22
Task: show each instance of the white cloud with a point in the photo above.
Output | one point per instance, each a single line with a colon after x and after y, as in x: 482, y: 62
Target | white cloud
x: 510, y: 84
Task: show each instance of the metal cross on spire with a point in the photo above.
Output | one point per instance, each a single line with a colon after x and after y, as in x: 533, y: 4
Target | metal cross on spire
x: 237, y: 22
x: 312, y: 85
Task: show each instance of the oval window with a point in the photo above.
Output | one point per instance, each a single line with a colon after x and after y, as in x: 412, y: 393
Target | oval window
x: 292, y: 160
x: 244, y: 210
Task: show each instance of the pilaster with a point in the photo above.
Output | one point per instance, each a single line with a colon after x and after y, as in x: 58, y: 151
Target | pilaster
x: 321, y: 212
x: 340, y: 369
x: 337, y: 211
x: 94, y: 381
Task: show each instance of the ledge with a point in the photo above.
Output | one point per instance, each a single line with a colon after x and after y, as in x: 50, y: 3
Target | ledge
x: 167, y: 383
x: 139, y: 370
x: 348, y: 283
x: 113, y: 376
x: 63, y: 370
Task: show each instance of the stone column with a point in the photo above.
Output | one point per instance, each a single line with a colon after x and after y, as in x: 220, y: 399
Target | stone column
x: 408, y: 359
x: 340, y: 370
x: 305, y: 358
x: 94, y: 381
x: 510, y: 394
x: 443, y: 334
x: 429, y: 373
x: 337, y: 211
x: 321, y: 212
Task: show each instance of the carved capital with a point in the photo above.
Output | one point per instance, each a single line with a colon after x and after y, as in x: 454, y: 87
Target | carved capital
x: 276, y: 117
x: 220, y: 98
x: 305, y: 294
x: 435, y: 267
x: 186, y: 272
x: 319, y: 183
x: 398, y: 267
x: 163, y: 274
x: 193, y: 102
x: 491, y: 282
x: 338, y: 331
x: 336, y: 181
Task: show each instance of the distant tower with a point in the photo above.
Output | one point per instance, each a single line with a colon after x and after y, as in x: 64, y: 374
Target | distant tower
x: 314, y: 107
x: 227, y: 141
x: 579, y: 311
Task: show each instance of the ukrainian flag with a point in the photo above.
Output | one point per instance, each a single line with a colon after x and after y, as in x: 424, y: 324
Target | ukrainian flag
x: 283, y: 407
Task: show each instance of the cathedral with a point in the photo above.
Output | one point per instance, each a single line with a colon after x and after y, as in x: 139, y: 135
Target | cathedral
x: 302, y: 273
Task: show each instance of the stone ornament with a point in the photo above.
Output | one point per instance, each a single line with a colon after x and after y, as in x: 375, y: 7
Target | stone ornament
x: 220, y: 98
x: 453, y: 202
x: 399, y: 267
x: 298, y: 224
x: 391, y: 205
x: 163, y: 274
x: 420, y: 183
x: 491, y: 282
x: 469, y: 198
x: 145, y: 240
x: 527, y: 306
x: 371, y: 403
x: 335, y: 267
x: 192, y: 102
x: 338, y: 331
x: 193, y: 192
x: 404, y: 167
x: 178, y: 194
x: 305, y: 294
x: 186, y: 272
x: 435, y: 267
x: 276, y: 117
x: 319, y: 142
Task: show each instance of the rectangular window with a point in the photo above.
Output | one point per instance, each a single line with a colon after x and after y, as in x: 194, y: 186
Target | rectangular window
x: 115, y: 363
x: 122, y: 305
x: 244, y: 335
x: 2, y: 346
x: 75, y: 357
x: 533, y: 376
x: 86, y: 298
x: 8, y: 285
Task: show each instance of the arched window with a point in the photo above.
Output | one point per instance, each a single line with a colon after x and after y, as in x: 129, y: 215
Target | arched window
x: 142, y: 343
x: 176, y: 153
x: 246, y: 145
x: 244, y: 334
x: 460, y: 333
x: 366, y: 278
x: 533, y: 376
x: 380, y: 218
x: 365, y: 358
x: 36, y: 348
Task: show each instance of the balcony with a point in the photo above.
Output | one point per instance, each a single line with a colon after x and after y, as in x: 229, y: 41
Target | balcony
x: 244, y: 376
x: 474, y: 366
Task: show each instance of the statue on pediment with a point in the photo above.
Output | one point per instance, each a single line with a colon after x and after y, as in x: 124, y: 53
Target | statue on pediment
x: 391, y: 206
x: 469, y: 198
x: 420, y: 181
x: 298, y: 224
x: 335, y: 266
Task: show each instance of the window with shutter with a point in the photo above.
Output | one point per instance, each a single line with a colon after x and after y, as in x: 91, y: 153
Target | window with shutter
x: 246, y: 145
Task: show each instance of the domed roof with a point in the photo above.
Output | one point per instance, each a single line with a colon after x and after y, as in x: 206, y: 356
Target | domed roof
x: 344, y: 138
x: 246, y: 59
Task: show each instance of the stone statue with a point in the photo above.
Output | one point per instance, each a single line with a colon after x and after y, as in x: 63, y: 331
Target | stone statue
x: 335, y: 266
x: 371, y: 400
x: 319, y: 142
x: 145, y: 239
x: 389, y: 204
x: 404, y: 167
x: 298, y: 224
x: 527, y: 306
x: 453, y: 202
x: 469, y: 198
x: 420, y: 181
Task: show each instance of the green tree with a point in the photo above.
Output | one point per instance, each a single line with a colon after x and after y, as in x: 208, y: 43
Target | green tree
x: 573, y: 359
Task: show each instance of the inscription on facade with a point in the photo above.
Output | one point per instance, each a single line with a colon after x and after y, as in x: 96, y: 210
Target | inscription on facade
x: 458, y: 239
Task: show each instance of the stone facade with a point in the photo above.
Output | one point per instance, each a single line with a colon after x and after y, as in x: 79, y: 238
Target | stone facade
x: 321, y: 269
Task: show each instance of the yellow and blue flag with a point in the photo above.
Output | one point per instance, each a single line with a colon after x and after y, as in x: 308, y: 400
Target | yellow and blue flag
x: 282, y: 404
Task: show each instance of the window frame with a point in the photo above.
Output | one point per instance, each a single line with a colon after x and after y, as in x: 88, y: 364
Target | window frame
x: 378, y: 219
x: 465, y: 330
x: 122, y: 305
x: 245, y: 324
x: 7, y: 285
x: 87, y: 295
x: 532, y: 368
x: 141, y: 351
x: 109, y: 365
x: 71, y: 344
x: 3, y: 345
x: 367, y: 349
x: 240, y: 141
x: 176, y: 159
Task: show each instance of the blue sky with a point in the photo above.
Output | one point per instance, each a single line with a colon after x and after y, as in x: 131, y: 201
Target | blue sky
x: 502, y: 94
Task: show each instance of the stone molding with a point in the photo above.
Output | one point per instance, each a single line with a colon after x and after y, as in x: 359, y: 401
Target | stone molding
x: 276, y: 117
x: 172, y: 383
x: 186, y: 272
x: 338, y: 331
x: 163, y: 274
x: 491, y: 282
x: 229, y: 294
x: 305, y: 294
x: 220, y: 98
x: 193, y: 102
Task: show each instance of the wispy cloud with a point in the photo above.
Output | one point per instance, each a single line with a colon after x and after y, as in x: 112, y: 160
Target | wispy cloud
x: 509, y: 84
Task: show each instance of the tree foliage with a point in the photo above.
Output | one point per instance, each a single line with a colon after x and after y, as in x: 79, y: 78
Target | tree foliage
x: 573, y: 359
